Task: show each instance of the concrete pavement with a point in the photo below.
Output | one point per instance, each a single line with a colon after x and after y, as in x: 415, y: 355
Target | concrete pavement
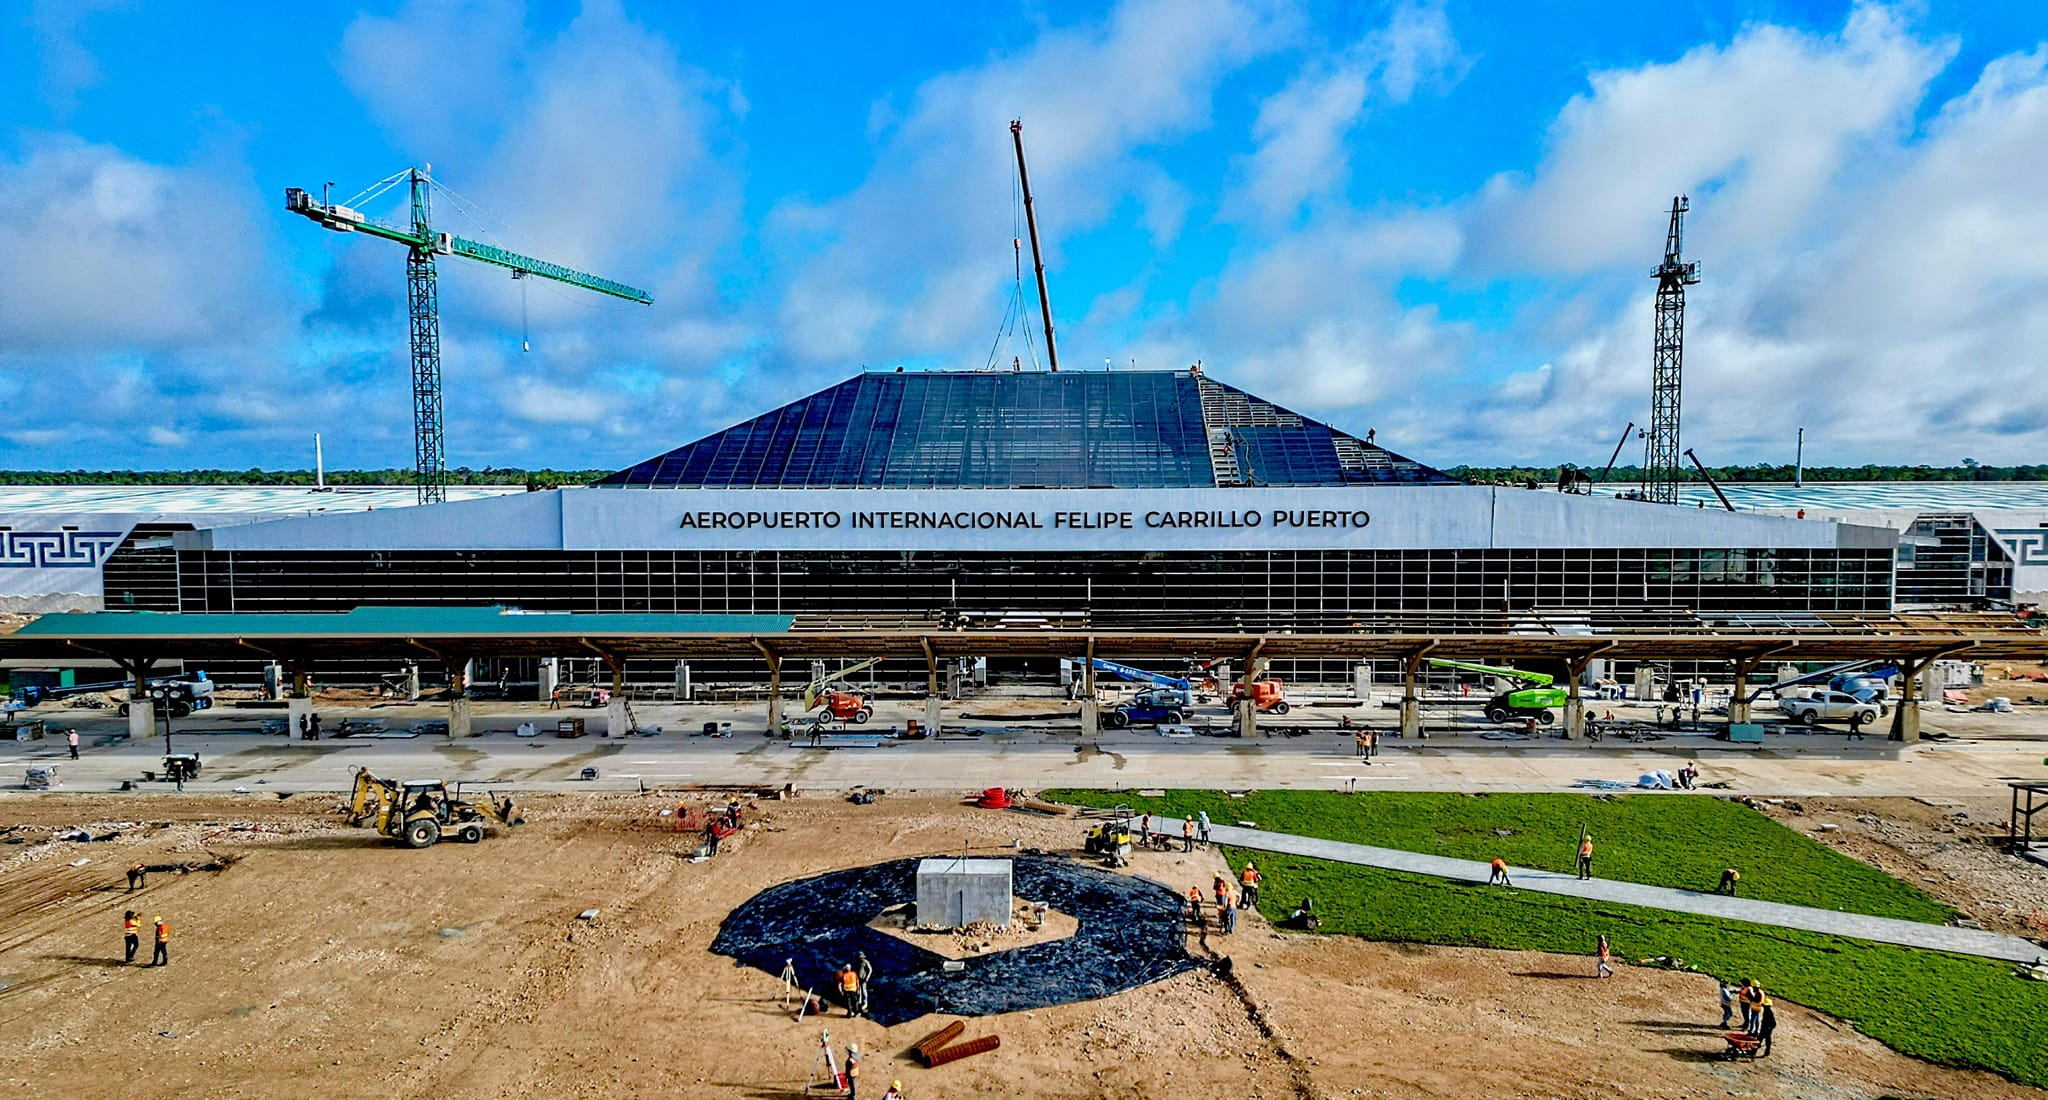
x: 1905, y: 933
x: 1021, y: 754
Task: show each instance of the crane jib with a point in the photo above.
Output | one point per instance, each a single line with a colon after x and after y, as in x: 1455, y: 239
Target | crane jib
x: 491, y: 254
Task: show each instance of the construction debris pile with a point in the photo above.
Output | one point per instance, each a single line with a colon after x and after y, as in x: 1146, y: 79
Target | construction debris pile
x: 1129, y: 934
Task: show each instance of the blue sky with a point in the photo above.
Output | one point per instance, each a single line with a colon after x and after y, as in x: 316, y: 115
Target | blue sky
x: 1433, y: 219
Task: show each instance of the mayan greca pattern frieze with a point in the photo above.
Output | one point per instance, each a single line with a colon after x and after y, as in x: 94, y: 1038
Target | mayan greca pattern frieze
x: 57, y: 549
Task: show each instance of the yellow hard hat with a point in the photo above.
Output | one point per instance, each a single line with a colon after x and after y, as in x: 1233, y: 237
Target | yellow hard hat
x: 853, y: 1046
x: 895, y: 1084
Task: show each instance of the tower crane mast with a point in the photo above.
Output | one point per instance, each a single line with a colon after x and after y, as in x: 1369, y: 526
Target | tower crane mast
x: 1660, y: 466
x: 423, y: 312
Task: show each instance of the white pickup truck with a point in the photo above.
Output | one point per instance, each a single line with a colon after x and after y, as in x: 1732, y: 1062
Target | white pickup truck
x: 1829, y: 706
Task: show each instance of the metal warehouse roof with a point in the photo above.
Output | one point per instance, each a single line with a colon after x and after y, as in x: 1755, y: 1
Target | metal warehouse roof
x: 1001, y: 430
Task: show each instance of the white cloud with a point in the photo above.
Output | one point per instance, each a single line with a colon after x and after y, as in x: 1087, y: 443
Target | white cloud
x: 1759, y: 129
x: 159, y: 436
x: 545, y: 403
x: 106, y: 251
x: 916, y: 259
x: 1302, y: 129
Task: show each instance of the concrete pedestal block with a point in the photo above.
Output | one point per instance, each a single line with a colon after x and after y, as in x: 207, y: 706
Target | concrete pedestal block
x: 1361, y: 682
x: 1411, y: 718
x: 617, y: 722
x: 1247, y: 717
x: 953, y: 893
x: 298, y: 710
x: 141, y: 718
x: 931, y: 716
x: 1091, y: 718
x: 458, y: 718
x: 1574, y: 718
x: 549, y: 676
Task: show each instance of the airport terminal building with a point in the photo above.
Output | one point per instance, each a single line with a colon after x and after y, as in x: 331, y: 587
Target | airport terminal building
x: 1093, y: 500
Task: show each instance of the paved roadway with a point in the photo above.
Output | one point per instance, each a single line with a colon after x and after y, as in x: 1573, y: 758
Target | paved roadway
x: 1992, y: 750
x: 1905, y: 933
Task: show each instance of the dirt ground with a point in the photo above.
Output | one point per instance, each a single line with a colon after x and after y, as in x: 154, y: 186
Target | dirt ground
x: 323, y: 963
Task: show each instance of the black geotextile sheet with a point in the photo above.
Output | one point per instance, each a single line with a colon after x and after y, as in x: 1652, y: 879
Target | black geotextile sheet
x: 1130, y: 933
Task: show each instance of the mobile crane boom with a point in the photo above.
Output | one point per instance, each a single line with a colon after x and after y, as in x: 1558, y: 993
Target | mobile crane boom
x: 1534, y: 679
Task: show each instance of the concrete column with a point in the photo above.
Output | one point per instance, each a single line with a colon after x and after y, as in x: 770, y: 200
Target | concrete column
x: 273, y: 681
x: 549, y: 675
x: 774, y: 696
x: 1645, y: 690
x: 617, y: 722
x: 1411, y: 705
x: 458, y: 701
x: 412, y: 681
x: 1247, y: 711
x: 1738, y: 703
x: 683, y: 688
x: 1361, y: 682
x: 1906, y: 718
x: 931, y: 716
x: 1574, y: 700
x: 1091, y: 708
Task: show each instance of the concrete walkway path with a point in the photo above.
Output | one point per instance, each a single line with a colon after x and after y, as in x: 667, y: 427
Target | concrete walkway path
x: 1905, y: 933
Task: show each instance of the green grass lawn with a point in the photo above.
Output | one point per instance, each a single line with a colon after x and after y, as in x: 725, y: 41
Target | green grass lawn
x: 1949, y: 1009
x: 1661, y: 840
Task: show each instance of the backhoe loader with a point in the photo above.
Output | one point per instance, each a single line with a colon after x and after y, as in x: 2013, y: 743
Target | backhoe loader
x: 418, y: 813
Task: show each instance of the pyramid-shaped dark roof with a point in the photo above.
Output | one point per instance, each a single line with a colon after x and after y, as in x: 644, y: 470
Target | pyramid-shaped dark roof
x: 994, y: 430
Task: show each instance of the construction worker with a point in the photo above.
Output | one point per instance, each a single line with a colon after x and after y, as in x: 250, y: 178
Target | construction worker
x: 163, y: 944
x: 1745, y: 1000
x: 1145, y: 831
x: 138, y: 877
x: 1499, y: 877
x: 1203, y: 817
x: 1603, y: 970
x: 71, y: 739
x: 1766, y: 1023
x: 1222, y: 890
x: 1195, y: 907
x: 865, y: 971
x: 1187, y: 834
x: 1586, y: 856
x: 131, y: 935
x: 732, y: 812
x: 1358, y: 740
x: 1227, y: 907
x: 852, y: 1071
x: 1249, y: 879
x: 1755, y: 1003
x: 1855, y: 727
x: 895, y: 1091
x: 849, y: 989
x: 1729, y: 877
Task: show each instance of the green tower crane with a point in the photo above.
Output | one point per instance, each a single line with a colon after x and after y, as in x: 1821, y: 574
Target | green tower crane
x: 423, y: 243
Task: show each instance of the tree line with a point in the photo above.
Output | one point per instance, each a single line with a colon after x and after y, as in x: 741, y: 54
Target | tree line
x: 461, y: 475
x: 1968, y: 470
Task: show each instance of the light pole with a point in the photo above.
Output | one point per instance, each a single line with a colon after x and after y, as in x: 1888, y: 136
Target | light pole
x: 161, y: 695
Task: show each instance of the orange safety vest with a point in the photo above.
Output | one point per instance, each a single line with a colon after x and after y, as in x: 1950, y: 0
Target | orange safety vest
x: 1250, y: 877
x: 131, y: 926
x: 163, y: 932
x: 1586, y: 848
x: 1499, y: 865
x: 849, y: 981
